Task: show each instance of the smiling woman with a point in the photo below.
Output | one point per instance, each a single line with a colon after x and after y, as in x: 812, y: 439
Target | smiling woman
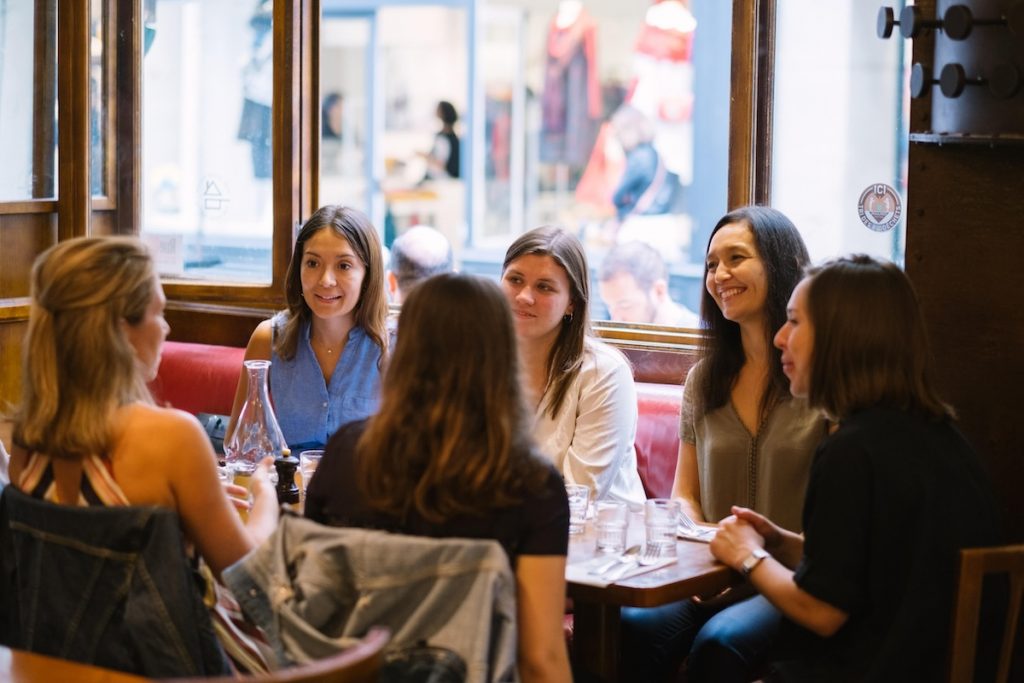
x: 744, y: 441
x: 335, y: 318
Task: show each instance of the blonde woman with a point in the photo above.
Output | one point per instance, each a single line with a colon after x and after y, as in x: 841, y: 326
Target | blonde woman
x: 87, y: 432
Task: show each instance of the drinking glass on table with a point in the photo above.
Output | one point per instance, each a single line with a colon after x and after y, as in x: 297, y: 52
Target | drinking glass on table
x: 579, y: 498
x: 308, y: 462
x: 661, y: 518
x: 611, y: 519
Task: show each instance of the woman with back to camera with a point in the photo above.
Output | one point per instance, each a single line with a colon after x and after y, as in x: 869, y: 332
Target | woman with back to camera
x: 581, y: 390
x: 450, y: 454
x: 744, y: 440
x: 87, y: 432
x: 327, y: 346
x: 895, y: 492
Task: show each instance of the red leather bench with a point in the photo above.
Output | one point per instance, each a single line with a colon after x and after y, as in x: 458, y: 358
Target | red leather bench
x: 201, y: 378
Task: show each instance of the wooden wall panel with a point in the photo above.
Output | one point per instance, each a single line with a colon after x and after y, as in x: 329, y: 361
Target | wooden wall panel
x: 22, y: 238
x: 965, y: 238
x: 189, y: 324
x: 11, y: 333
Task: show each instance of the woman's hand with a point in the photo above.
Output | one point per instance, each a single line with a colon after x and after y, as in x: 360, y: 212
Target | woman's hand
x: 260, y: 484
x: 238, y: 495
x: 768, y: 530
x: 735, y: 540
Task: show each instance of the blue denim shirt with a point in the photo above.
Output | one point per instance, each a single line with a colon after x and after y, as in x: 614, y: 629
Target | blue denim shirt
x: 308, y: 409
x: 315, y: 589
x: 109, y: 586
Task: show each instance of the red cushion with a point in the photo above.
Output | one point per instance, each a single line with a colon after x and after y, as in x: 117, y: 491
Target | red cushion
x: 657, y: 436
x: 198, y: 378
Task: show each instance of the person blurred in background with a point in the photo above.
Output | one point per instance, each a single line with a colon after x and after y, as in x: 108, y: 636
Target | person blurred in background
x: 634, y: 286
x: 418, y: 253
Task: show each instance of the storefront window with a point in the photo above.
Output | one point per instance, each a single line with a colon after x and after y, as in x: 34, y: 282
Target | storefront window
x: 28, y: 90
x: 828, y: 151
x: 206, y: 127
x: 608, y: 118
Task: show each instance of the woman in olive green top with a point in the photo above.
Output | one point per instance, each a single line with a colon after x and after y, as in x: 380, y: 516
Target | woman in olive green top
x: 744, y: 439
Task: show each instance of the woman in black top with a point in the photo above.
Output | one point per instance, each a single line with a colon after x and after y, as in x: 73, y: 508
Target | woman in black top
x: 450, y: 455
x: 895, y: 492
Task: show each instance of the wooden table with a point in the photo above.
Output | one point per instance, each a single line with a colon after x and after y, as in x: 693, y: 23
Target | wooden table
x: 596, y: 610
x: 18, y: 666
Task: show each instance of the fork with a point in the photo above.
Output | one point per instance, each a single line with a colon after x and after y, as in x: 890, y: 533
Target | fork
x: 649, y: 556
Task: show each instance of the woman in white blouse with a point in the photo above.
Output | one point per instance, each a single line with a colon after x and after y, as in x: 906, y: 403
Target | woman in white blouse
x: 581, y: 390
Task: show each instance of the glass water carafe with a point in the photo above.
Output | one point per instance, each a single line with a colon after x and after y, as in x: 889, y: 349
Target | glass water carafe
x: 257, y: 433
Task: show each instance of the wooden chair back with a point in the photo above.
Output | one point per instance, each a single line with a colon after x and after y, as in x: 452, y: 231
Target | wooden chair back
x: 358, y: 664
x: 975, y: 564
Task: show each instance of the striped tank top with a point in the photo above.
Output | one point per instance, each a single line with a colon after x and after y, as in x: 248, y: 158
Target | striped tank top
x: 97, y: 487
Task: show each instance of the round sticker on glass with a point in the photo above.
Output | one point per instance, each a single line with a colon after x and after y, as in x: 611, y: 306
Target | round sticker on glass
x: 880, y: 207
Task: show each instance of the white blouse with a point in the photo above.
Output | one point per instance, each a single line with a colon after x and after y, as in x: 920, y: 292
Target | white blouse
x: 590, y: 441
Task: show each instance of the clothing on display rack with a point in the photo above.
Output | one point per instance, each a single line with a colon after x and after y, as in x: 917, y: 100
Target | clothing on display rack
x: 571, y: 101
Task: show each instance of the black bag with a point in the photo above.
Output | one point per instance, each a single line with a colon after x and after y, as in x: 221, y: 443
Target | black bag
x: 215, y: 426
x: 422, y: 663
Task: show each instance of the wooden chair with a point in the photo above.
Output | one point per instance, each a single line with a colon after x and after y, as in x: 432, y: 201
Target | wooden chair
x: 975, y: 563
x: 358, y: 664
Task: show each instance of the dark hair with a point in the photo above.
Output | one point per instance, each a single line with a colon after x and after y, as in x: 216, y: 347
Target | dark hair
x: 452, y: 435
x: 372, y: 308
x: 638, y: 259
x: 784, y: 256
x: 567, y: 352
x: 326, y: 130
x: 413, y: 265
x: 870, y: 343
x: 446, y: 111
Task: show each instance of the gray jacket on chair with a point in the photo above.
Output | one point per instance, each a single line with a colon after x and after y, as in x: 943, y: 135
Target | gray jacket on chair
x: 315, y: 589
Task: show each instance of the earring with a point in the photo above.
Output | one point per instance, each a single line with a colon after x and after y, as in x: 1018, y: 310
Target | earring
x: 567, y: 318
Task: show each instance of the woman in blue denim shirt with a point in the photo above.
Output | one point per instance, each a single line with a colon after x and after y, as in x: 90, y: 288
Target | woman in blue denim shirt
x: 327, y: 346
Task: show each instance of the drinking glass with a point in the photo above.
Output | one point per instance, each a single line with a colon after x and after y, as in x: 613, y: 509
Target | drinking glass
x: 308, y: 462
x: 579, y: 498
x: 612, y: 519
x: 661, y: 518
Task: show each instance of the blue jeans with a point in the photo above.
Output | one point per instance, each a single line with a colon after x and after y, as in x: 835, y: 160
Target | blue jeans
x: 724, y: 642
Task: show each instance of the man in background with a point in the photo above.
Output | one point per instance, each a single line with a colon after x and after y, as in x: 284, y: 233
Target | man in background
x: 634, y: 286
x: 418, y: 253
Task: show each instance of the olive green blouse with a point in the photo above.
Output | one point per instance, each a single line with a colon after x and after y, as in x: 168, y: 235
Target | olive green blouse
x: 767, y: 471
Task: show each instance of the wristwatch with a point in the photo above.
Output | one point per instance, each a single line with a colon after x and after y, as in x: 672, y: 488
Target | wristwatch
x: 753, y: 560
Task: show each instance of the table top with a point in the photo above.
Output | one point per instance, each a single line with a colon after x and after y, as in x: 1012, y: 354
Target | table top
x: 695, y: 572
x: 18, y: 666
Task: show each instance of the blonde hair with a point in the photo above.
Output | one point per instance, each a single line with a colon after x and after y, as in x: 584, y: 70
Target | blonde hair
x: 78, y: 366
x: 371, y: 310
x: 452, y: 434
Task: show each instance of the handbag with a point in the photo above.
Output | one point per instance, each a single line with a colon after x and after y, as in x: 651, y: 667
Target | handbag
x: 422, y: 663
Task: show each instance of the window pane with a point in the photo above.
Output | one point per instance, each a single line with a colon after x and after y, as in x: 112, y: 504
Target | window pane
x: 542, y: 143
x: 28, y: 106
x: 344, y: 111
x: 98, y: 97
x: 206, y: 117
x: 422, y: 163
x: 827, y: 150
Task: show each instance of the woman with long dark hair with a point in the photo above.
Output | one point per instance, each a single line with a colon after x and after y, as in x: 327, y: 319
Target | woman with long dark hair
x: 450, y: 454
x: 896, y: 491
x: 744, y: 439
x: 328, y: 345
